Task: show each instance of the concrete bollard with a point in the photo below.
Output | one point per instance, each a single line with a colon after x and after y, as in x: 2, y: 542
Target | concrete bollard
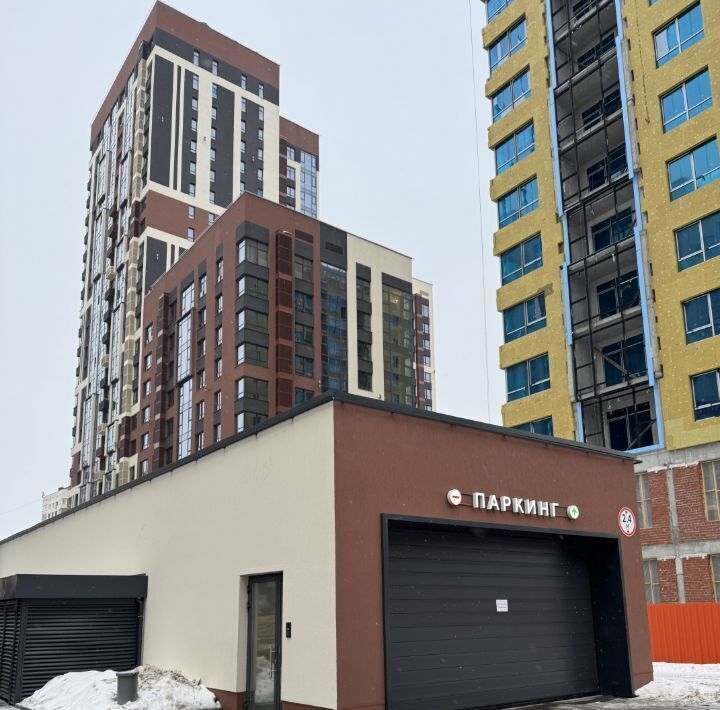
x: 127, y: 686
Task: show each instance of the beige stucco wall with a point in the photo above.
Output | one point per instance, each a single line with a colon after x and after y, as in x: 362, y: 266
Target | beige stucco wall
x: 264, y: 504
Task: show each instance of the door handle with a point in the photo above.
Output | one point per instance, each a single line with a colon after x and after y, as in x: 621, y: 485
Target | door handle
x: 273, y: 661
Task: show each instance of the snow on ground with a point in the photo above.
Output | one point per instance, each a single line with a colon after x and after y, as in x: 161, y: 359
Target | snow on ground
x: 96, y: 690
x: 684, y: 681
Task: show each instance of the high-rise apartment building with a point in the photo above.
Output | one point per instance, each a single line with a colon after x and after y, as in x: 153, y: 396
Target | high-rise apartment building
x: 191, y: 124
x: 605, y: 118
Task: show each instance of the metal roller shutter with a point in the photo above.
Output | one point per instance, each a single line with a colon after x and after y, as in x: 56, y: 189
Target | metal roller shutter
x: 448, y: 646
x: 9, y: 625
x: 78, y: 635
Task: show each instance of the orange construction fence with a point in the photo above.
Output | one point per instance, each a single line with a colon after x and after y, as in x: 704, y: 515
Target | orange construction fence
x: 685, y: 633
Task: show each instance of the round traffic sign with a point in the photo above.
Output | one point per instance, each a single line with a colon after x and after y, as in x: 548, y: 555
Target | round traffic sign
x: 573, y: 512
x: 626, y: 521
x: 454, y: 497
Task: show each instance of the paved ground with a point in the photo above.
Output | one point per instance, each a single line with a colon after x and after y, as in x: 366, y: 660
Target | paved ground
x: 607, y: 703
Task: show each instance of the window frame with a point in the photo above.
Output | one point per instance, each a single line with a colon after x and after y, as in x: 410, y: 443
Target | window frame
x: 512, y: 49
x: 522, y: 210
x: 682, y: 88
x: 651, y: 581
x: 712, y: 405
x: 681, y: 45
x: 529, y: 384
x: 514, y: 100
x: 713, y: 322
x: 714, y: 466
x: 517, y: 155
x: 527, y: 326
x: 695, y: 178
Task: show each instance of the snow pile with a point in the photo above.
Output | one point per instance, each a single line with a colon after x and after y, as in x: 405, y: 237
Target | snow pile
x: 96, y: 690
x: 683, y: 681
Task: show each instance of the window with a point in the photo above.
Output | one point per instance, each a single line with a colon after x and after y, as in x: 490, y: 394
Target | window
x: 193, y: 125
x: 524, y: 318
x: 196, y: 60
x: 217, y: 432
x: 242, y: 167
x: 528, y: 377
x: 495, y: 7
x: 147, y: 361
x: 303, y: 366
x: 609, y: 104
x: 606, y: 43
x: 217, y: 400
x: 260, y: 154
x: 711, y: 486
x: 518, y: 203
x: 260, y: 174
x: 510, y: 43
x: 607, y: 169
x: 624, y: 360
x: 212, y: 160
x: 715, y: 561
x: 213, y: 133
x: 706, y: 394
x: 514, y: 148
x: 243, y: 104
x: 364, y: 351
x: 538, y: 426
x: 698, y: 242
x: 146, y: 415
x: 211, y: 217
x: 191, y: 212
x: 302, y: 395
x: 510, y: 95
x: 218, y: 303
x: 199, y: 441
x: 290, y: 192
x: 425, y: 310
x: 261, y: 113
x: 521, y: 259
x: 688, y: 100
x: 193, y: 167
x: 252, y: 286
x: 652, y: 583
x: 201, y: 379
x: 193, y: 146
x: 252, y: 320
x: 290, y: 153
x: 200, y: 410
x: 702, y: 316
x: 202, y: 317
x: 202, y: 286
x: 630, y: 427
x: 213, y: 113
x: 242, y: 187
x: 191, y: 234
x: 362, y: 287
x: 252, y: 388
x: 642, y: 495
x: 212, y: 175
x: 261, y: 90
x: 214, y: 91
x: 147, y: 388
x: 194, y: 103
x: 201, y: 347
x: 304, y: 334
x: 191, y: 189
x: 694, y: 170
x: 214, y: 67
x: 243, y: 126
x: 243, y: 81
x: 144, y: 467
x: 303, y: 268
x: 261, y: 134
x: 252, y: 354
x: 212, y: 197
x: 218, y: 335
x: 613, y: 229
x: 252, y: 251
x: 303, y: 302
x: 678, y: 35
x: 618, y: 294
x: 363, y: 321
x: 290, y: 173
x: 219, y: 270
x: 148, y: 333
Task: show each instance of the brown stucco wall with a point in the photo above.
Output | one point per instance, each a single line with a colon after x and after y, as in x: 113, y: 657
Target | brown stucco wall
x: 399, y: 464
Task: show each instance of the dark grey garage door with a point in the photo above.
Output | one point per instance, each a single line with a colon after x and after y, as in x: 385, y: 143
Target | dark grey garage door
x: 447, y: 643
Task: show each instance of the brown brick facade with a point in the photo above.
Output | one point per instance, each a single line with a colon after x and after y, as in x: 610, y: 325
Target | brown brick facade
x: 659, y: 533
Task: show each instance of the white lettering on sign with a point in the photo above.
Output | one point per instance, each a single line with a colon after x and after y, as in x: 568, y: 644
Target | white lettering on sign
x: 517, y: 506
x: 501, y: 605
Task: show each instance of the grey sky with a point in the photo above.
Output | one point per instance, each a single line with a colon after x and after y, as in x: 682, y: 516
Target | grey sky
x: 388, y: 86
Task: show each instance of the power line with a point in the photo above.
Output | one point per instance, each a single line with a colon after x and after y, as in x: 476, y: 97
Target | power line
x: 20, y: 507
x: 480, y: 210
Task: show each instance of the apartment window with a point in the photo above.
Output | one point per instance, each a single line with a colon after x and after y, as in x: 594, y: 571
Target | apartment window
x: 510, y: 95
x: 514, y: 148
x: 538, y: 426
x: 694, y: 170
x: 144, y: 467
x: 510, y: 43
x: 199, y: 441
x: 702, y: 316
x: 303, y: 268
x: 495, y: 7
x: 624, y: 359
x: 212, y: 197
x: 213, y: 133
x: 678, y: 35
x: 711, y: 486
x: 212, y: 160
x: 525, y: 317
x: 261, y: 90
x: 201, y: 379
x: 290, y: 192
x: 587, y: 58
x: 252, y: 388
x: 304, y: 334
x: 303, y: 395
x: 518, y: 203
x: 191, y: 234
x: 252, y: 286
x: 252, y: 320
x: 193, y: 168
x: 191, y: 212
x: 261, y: 113
x: 147, y: 388
x: 146, y: 415
x: 200, y: 410
x: 363, y: 321
x: 252, y: 354
x: 303, y: 366
x: 217, y: 400
x: 427, y: 377
x: 218, y: 303
x: 148, y: 333
x: 214, y: 67
x: 201, y: 347
x: 521, y: 259
x: 242, y: 187
x: 706, y: 394
x: 243, y: 81
x: 219, y: 270
x: 243, y: 126
x: 607, y: 169
x: 426, y: 360
x: 630, y: 427
x: 613, y: 229
x: 362, y: 287
x: 688, y: 100
x: 364, y: 351
x: 652, y: 583
x: 260, y: 154
x: 242, y: 167
x: 217, y: 432
x: 642, y: 495
x: 196, y: 59
x: 211, y: 217
x: 290, y: 173
x: 202, y: 286
x: 260, y: 174
x: 252, y: 251
x: 528, y: 377
x: 698, y: 242
x: 218, y: 367
x: 214, y: 91
x: 425, y: 310
x: 243, y: 105
x: 303, y: 303
x: 194, y: 103
x: 212, y: 175
x: 193, y: 125
x: 147, y: 361
x: 218, y: 336
x: 261, y: 134
x: 618, y: 294
x: 202, y: 317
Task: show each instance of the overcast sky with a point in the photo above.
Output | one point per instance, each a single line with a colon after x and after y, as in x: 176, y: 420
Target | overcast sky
x: 387, y: 84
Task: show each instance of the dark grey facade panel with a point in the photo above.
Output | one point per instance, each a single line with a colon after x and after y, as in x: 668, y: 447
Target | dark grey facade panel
x: 224, y: 142
x: 155, y: 261
x: 161, y: 136
x: 176, y: 141
x: 252, y: 143
x: 72, y: 586
x: 187, y: 134
x: 303, y: 249
x: 252, y: 230
x: 363, y: 272
x: 397, y: 283
x: 226, y: 71
x: 333, y: 245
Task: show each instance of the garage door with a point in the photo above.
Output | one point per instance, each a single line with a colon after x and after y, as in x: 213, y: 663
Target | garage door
x: 449, y: 641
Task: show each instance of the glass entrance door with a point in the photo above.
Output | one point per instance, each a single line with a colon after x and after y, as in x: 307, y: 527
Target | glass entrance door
x: 264, y: 642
